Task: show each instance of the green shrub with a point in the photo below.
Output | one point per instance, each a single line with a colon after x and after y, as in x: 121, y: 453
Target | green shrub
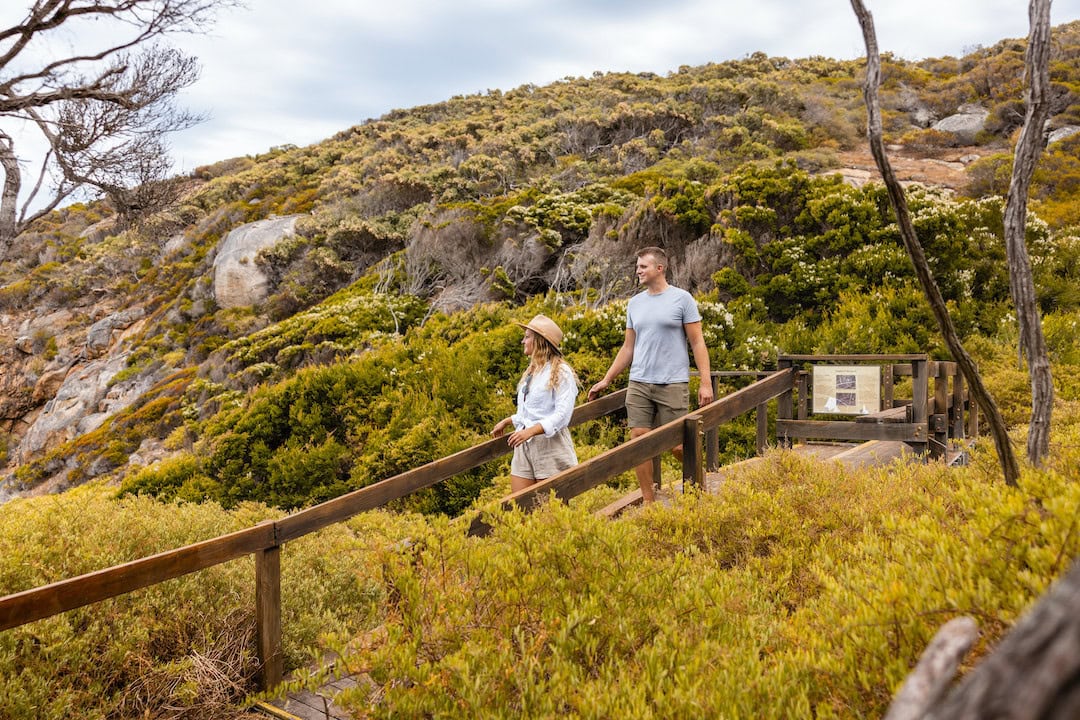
x: 801, y: 590
x: 184, y: 648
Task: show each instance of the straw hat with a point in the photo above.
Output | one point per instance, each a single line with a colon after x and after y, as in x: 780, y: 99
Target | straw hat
x: 546, y: 328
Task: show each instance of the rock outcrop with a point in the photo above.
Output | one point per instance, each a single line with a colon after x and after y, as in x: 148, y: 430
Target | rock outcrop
x: 80, y: 396
x: 100, y: 335
x: 910, y: 102
x: 965, y: 125
x: 1062, y: 132
x: 238, y: 281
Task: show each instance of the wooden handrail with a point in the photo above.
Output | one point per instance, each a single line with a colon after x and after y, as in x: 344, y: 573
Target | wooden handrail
x: 48, y: 600
x: 265, y: 539
x: 380, y: 493
x: 45, y: 601
x: 584, y: 476
x: 854, y: 358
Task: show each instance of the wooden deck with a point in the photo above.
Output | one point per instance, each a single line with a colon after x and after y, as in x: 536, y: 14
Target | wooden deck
x: 318, y: 705
x: 853, y: 455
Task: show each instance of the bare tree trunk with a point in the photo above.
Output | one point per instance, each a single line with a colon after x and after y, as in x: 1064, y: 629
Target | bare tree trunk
x: 9, y: 199
x: 1007, y: 457
x: 1021, y: 283
x: 930, y: 680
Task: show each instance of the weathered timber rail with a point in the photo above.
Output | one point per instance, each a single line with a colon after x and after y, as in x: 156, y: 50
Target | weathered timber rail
x: 696, y: 433
x: 926, y: 421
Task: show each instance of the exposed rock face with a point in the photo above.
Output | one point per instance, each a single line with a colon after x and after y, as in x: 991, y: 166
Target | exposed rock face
x: 49, y: 384
x: 27, y: 377
x: 76, y: 391
x: 238, y: 282
x: 968, y: 122
x: 920, y: 114
x: 100, y: 335
x: 49, y: 399
x: 1062, y: 132
x: 67, y: 414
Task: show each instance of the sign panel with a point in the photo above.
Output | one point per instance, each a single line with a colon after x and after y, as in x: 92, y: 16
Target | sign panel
x: 846, y: 389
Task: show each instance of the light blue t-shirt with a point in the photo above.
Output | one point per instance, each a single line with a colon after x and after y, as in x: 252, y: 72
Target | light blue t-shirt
x: 660, y: 350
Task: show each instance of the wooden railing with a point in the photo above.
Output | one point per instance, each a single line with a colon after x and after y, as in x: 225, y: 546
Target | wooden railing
x: 927, y: 422
x: 688, y: 431
x: 264, y: 540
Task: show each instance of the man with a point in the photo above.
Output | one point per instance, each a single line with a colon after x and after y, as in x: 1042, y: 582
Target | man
x: 659, y: 323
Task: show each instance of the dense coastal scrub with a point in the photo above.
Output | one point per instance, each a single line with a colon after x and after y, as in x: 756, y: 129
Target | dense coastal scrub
x: 388, y: 340
x: 801, y: 589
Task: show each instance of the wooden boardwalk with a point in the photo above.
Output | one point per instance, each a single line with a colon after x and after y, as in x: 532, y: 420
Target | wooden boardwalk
x: 854, y: 455
x: 320, y: 704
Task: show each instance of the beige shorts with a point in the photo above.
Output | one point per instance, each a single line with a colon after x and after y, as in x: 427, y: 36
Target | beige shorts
x: 650, y: 406
x: 541, y: 457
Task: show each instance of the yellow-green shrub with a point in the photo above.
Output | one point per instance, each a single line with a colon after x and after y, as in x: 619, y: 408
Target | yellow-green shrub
x: 802, y: 590
x: 147, y: 651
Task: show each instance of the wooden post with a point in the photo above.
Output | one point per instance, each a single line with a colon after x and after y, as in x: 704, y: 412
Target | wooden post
x: 973, y: 418
x: 693, y: 469
x: 762, y: 414
x: 268, y: 615
x: 958, y: 404
x: 973, y: 415
x: 940, y: 420
x: 784, y: 404
x: 803, y: 395
x: 887, y: 381
x: 712, y: 436
x: 919, y: 389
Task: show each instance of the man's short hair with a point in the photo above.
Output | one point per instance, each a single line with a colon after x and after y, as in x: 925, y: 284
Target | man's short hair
x: 658, y: 254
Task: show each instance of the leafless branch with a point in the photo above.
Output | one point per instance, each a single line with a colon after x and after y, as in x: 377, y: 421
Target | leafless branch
x: 1006, y: 456
x: 102, y: 110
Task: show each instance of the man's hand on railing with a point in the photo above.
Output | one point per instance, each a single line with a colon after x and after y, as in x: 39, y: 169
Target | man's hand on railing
x: 595, y: 390
x: 705, y: 393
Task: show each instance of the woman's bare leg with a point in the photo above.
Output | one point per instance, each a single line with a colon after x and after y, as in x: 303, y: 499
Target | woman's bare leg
x: 520, y: 483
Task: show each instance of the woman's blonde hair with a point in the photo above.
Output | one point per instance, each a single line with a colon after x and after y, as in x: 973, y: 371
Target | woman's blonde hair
x: 543, y: 353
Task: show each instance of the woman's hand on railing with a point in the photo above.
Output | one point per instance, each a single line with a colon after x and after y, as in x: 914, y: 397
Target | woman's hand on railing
x: 500, y: 427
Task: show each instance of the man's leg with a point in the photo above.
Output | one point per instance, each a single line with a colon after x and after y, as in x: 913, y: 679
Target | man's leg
x: 644, y: 471
x: 673, y: 402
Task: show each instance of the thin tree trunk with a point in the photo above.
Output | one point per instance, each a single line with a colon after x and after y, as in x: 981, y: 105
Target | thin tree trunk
x: 1007, y: 457
x: 1021, y: 283
x: 9, y: 198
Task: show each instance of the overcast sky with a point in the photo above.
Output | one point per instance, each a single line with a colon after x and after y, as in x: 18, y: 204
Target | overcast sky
x: 285, y: 71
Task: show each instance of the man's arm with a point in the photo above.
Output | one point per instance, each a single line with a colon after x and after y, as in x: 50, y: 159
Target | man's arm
x: 622, y: 361
x: 701, y: 360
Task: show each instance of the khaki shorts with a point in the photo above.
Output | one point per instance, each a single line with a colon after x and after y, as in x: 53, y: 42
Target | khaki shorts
x: 650, y: 406
x: 541, y: 457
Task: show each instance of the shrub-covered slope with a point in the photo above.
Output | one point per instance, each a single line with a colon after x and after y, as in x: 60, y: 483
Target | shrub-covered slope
x: 512, y: 195
x: 387, y: 340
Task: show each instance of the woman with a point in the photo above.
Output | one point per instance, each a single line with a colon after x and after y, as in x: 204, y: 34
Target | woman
x: 545, y: 401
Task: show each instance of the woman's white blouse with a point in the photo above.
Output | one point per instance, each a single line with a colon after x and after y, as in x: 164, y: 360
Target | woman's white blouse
x: 551, y: 408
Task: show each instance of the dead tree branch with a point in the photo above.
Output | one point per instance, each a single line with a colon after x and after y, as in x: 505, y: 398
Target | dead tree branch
x: 1022, y: 285
x: 1007, y: 457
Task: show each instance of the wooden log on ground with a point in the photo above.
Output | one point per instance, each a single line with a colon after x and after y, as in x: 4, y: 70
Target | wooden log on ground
x: 1034, y: 672
x: 935, y: 670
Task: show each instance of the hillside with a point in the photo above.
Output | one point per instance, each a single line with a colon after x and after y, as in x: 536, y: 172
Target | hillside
x: 122, y: 338
x: 314, y: 319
